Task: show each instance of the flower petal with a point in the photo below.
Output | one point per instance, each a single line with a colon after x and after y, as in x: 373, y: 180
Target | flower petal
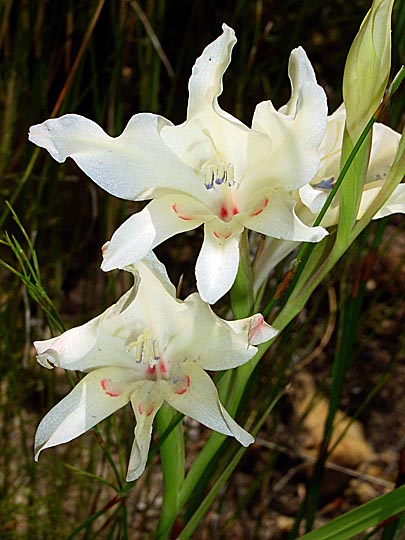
x: 227, y: 347
x: 205, y: 83
x: 136, y: 165
x: 88, y: 346
x: 273, y: 252
x: 383, y: 149
x: 296, y: 130
x: 215, y: 137
x: 162, y: 218
x: 145, y: 405
x: 394, y: 205
x: 150, y: 311
x: 150, y: 265
x: 211, y: 134
x: 331, y: 147
x: 201, y: 402
x: 96, y: 396
x: 312, y: 198
x: 300, y: 73
x: 384, y: 146
x: 277, y: 218
x: 254, y: 329
x: 217, y: 263
x: 191, y: 144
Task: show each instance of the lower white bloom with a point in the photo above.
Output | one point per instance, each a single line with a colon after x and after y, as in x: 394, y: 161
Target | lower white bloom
x: 147, y: 349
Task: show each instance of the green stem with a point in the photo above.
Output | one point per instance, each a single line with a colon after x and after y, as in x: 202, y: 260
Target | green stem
x: 173, y: 460
x: 222, y: 479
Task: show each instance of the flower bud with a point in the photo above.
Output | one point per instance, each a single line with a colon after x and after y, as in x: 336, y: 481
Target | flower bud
x: 367, y: 67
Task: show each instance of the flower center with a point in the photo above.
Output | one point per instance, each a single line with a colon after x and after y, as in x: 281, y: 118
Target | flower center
x: 147, y: 352
x: 220, y: 177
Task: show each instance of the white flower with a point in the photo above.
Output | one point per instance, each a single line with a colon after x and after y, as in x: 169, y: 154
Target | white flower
x: 311, y: 197
x: 210, y: 170
x: 383, y: 149
x: 147, y: 349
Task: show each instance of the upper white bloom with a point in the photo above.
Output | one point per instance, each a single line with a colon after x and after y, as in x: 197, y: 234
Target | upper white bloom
x: 311, y: 197
x: 147, y: 349
x: 210, y: 170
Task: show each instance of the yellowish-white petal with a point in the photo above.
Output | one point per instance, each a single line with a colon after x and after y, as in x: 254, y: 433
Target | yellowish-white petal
x: 383, y: 150
x: 201, y: 402
x: 136, y: 165
x: 300, y: 73
x: 145, y: 403
x: 99, y: 394
x: 296, y: 131
x: 313, y: 198
x: 150, y: 265
x: 217, y: 263
x: 162, y: 218
x: 205, y: 84
x: 273, y: 252
x: 253, y: 329
x: 331, y: 147
x: 88, y: 346
x: 228, y: 345
x: 394, y: 205
x: 272, y: 213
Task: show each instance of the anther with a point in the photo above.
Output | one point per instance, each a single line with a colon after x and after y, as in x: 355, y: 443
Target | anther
x: 218, y: 175
x: 147, y: 349
x: 325, y: 183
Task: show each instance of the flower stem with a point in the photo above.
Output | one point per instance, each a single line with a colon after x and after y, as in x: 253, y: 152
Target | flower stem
x: 172, y: 458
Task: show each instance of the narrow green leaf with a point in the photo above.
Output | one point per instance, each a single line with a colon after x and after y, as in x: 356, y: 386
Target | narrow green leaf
x: 361, y: 518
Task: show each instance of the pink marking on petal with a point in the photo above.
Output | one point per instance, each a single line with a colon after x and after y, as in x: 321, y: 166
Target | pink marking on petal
x: 224, y: 212
x: 163, y: 367
x: 151, y: 369
x: 150, y: 410
x: 110, y: 387
x: 104, y: 249
x: 235, y: 211
x: 224, y: 235
x: 183, y: 390
x: 176, y: 211
x: 261, y: 208
x: 256, y: 327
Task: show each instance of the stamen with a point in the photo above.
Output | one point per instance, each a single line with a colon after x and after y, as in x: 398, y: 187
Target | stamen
x: 147, y: 350
x: 325, y: 183
x: 218, y: 175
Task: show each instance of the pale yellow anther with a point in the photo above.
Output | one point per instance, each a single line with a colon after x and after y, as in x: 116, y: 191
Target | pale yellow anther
x: 147, y: 349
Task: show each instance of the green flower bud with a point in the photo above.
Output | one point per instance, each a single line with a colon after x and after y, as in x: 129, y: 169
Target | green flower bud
x: 368, y: 67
